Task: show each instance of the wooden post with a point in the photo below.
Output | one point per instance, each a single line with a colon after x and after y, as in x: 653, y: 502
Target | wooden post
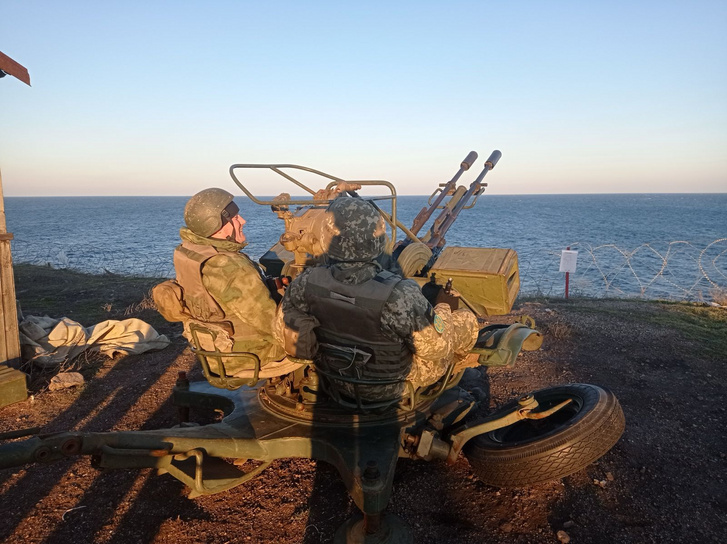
x: 10, y: 347
x: 13, y: 383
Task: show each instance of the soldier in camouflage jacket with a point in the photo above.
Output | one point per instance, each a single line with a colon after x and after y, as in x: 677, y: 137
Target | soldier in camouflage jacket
x: 220, y: 284
x: 429, y: 338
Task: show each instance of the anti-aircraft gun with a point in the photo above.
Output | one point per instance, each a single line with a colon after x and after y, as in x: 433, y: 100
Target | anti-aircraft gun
x: 545, y: 435
x: 486, y: 279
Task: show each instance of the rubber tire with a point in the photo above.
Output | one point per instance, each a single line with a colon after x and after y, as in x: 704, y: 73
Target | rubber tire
x: 530, y: 451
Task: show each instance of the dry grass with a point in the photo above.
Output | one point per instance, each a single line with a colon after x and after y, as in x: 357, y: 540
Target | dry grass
x: 558, y: 330
x: 719, y: 295
x: 146, y: 303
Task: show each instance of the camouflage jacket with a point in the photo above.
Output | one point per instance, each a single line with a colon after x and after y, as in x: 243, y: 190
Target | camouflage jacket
x: 406, y: 315
x: 235, y: 282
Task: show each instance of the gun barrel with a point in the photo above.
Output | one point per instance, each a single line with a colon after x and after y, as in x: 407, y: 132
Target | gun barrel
x: 435, y: 237
x: 469, y: 160
x: 493, y: 158
x: 424, y: 215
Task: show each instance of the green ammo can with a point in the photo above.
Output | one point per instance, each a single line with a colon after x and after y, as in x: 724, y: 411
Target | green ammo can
x: 486, y: 278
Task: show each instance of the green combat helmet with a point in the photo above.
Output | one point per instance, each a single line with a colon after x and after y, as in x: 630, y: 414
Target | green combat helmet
x: 355, y: 230
x: 207, y: 211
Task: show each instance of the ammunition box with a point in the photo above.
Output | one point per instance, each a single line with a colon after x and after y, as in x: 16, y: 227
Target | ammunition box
x: 13, y: 386
x: 487, y: 278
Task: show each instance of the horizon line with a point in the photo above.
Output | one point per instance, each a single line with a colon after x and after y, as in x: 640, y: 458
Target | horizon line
x: 398, y: 195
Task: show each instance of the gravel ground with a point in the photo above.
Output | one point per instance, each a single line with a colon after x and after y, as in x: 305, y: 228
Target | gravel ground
x: 663, y: 482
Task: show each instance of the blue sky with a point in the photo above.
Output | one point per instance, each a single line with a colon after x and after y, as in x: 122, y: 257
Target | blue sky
x: 160, y: 97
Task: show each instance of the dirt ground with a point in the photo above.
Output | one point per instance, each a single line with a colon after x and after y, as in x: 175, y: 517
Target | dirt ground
x: 663, y: 482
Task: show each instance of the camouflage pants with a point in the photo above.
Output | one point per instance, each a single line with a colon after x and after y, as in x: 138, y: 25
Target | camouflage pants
x: 460, y: 334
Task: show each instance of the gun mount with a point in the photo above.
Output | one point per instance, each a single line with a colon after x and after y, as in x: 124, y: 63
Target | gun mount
x: 486, y: 279
x: 545, y: 435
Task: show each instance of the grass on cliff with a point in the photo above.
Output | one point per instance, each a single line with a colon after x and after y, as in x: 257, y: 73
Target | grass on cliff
x: 86, y: 298
x: 703, y: 325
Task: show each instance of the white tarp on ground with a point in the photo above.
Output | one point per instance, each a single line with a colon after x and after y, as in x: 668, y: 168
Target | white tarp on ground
x: 53, y: 341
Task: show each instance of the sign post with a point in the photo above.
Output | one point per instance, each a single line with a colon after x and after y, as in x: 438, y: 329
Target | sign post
x: 568, y: 260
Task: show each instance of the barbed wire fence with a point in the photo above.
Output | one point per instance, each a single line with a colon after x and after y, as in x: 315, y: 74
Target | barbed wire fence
x: 678, y: 270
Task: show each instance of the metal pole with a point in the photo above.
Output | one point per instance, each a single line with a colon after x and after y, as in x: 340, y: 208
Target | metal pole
x: 567, y: 277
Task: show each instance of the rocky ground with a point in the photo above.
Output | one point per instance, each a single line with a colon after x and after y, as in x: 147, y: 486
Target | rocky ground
x: 663, y: 482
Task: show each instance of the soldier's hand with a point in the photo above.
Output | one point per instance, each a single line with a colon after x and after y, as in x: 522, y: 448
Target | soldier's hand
x: 277, y: 286
x: 431, y: 291
x: 451, y: 298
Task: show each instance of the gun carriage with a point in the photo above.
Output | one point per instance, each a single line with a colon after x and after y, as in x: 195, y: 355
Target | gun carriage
x: 305, y: 412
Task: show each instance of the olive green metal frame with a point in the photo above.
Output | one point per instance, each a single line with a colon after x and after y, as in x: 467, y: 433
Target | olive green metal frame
x: 363, y: 450
x: 221, y: 378
x: 261, y: 424
x: 391, y: 219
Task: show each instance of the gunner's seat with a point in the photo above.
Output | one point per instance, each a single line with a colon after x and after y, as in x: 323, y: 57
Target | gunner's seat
x: 228, y: 369
x: 213, y: 344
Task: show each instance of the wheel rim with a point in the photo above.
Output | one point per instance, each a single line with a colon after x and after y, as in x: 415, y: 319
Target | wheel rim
x: 529, y: 430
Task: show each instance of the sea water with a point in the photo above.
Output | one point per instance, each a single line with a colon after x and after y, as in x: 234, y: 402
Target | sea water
x: 653, y: 245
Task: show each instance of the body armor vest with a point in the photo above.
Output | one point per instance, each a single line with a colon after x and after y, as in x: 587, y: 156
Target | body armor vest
x: 189, y: 260
x: 351, y: 342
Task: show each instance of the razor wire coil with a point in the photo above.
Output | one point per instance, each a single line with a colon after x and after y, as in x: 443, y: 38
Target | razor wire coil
x: 678, y: 270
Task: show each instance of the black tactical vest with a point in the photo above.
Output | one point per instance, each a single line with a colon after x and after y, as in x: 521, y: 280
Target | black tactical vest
x: 351, y: 342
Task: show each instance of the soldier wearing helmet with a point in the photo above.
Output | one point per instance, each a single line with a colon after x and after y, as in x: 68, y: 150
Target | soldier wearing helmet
x: 220, y: 284
x: 359, y: 321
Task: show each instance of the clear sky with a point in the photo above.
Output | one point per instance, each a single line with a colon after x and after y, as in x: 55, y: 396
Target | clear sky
x: 160, y: 97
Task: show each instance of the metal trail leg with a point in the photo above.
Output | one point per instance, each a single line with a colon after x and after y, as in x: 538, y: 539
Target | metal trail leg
x: 373, y: 456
